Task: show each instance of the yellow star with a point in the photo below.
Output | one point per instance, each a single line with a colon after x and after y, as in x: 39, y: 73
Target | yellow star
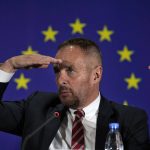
x: 22, y: 82
x: 77, y: 26
x: 125, y: 54
x: 125, y: 103
x: 50, y: 34
x: 105, y: 34
x: 133, y: 81
x: 29, y: 51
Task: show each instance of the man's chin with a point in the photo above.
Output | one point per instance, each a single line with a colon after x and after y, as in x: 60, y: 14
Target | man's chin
x: 66, y: 99
x: 69, y: 101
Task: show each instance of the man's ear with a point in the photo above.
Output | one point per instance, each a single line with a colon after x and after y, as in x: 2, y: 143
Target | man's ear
x: 98, y: 73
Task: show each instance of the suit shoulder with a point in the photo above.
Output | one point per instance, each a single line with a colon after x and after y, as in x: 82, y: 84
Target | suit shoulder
x: 123, y: 111
x: 129, y: 112
x: 124, y: 108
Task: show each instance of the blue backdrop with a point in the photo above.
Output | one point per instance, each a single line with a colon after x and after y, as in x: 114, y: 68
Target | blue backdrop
x: 120, y: 28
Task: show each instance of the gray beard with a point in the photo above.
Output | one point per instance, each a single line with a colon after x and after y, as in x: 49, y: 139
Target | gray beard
x: 74, y: 104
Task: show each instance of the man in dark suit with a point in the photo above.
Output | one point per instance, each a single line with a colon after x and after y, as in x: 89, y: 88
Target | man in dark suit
x: 46, y: 120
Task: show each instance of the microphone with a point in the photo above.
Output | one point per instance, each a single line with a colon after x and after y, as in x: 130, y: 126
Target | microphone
x: 56, y: 114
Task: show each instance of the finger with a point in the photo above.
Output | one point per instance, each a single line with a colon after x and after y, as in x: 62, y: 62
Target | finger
x: 36, y: 66
x: 56, y: 61
x: 44, y: 66
x: 49, y: 60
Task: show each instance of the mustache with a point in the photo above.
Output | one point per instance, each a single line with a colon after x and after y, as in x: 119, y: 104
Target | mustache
x: 64, y: 88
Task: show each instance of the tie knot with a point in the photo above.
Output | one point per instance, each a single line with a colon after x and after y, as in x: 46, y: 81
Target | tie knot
x: 79, y: 113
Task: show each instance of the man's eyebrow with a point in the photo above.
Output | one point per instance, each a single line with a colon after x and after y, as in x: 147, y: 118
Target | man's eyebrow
x: 65, y: 64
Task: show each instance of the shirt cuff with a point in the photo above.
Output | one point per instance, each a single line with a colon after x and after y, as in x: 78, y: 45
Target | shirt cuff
x: 5, y: 76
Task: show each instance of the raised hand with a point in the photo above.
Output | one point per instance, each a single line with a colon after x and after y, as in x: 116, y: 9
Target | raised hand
x: 28, y: 61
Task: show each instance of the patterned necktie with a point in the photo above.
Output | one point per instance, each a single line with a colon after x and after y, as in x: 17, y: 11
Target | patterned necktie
x: 78, y: 131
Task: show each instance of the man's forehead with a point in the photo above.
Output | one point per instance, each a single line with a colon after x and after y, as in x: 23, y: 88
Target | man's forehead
x: 69, y: 50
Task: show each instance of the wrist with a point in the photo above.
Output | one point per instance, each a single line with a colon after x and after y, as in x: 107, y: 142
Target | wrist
x: 7, y: 66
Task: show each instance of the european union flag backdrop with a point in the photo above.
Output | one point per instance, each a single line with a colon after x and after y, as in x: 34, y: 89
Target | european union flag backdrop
x: 120, y: 28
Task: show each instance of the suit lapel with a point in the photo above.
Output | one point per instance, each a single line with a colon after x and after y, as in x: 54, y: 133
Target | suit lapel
x: 52, y: 127
x: 104, y: 118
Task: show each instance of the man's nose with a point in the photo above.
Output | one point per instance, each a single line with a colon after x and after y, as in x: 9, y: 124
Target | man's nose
x: 62, y: 78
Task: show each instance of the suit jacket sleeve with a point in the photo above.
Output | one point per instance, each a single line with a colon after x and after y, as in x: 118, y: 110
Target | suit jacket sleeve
x: 11, y: 114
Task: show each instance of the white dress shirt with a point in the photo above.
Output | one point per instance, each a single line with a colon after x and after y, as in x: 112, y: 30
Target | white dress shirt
x: 62, y: 140
x: 5, y: 77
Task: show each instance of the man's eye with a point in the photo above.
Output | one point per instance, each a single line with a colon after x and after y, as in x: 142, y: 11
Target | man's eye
x: 56, y: 70
x: 70, y: 70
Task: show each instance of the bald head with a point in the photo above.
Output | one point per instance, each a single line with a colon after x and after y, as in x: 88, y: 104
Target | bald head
x: 88, y: 47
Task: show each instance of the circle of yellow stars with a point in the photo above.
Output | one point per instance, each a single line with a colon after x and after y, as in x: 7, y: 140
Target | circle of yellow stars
x: 105, y: 34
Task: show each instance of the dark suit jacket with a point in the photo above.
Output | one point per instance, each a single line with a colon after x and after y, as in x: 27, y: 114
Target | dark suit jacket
x: 24, y: 117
